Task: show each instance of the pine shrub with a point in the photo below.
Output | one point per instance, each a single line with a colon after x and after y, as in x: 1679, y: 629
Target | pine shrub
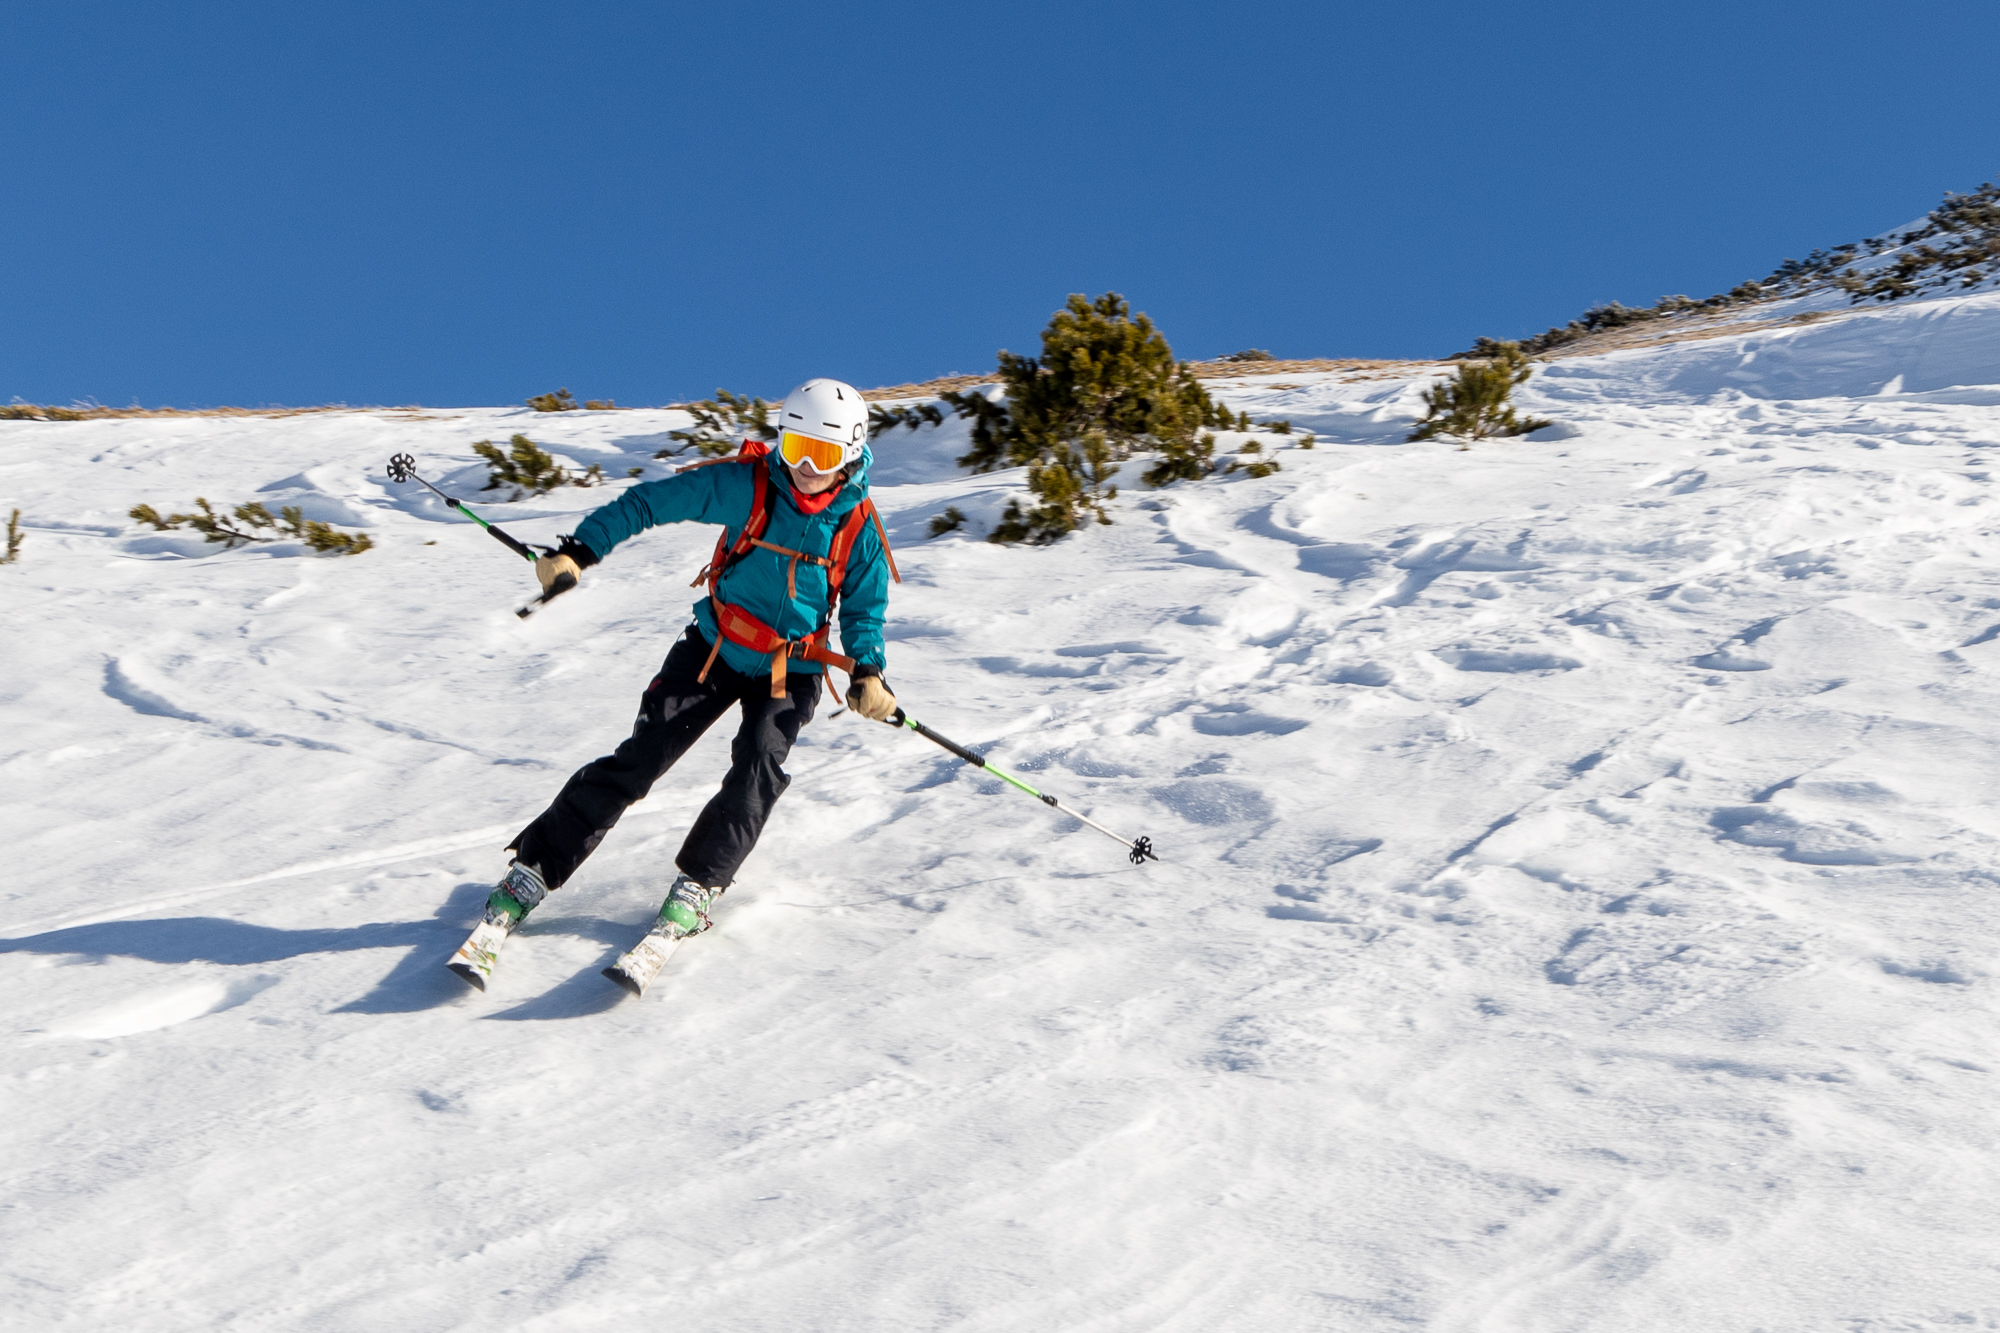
x: 1254, y: 464
x: 1182, y: 461
x: 250, y: 522
x: 13, y: 539
x: 1105, y: 386
x: 529, y: 469
x: 559, y: 401
x: 951, y: 520
x: 990, y: 426
x: 720, y: 424
x: 1248, y: 354
x: 1071, y: 487
x: 1966, y: 252
x: 881, y: 420
x: 1476, y: 403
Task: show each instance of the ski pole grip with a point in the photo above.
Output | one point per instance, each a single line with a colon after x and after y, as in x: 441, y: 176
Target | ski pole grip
x: 976, y: 760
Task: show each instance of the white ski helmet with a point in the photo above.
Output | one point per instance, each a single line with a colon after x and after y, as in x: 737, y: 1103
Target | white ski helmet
x: 822, y: 425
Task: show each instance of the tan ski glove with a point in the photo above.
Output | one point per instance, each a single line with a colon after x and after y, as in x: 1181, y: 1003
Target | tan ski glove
x: 870, y: 697
x: 549, y: 568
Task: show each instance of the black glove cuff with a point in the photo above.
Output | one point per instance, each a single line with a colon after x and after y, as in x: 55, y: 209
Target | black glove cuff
x: 863, y: 670
x: 577, y: 551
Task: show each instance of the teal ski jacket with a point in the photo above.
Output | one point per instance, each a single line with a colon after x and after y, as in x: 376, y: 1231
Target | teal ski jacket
x: 723, y: 493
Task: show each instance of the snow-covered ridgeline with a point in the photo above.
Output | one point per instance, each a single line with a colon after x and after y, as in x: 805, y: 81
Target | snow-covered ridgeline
x: 1576, y: 910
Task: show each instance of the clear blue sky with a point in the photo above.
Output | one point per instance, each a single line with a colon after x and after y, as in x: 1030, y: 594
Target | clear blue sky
x: 453, y: 203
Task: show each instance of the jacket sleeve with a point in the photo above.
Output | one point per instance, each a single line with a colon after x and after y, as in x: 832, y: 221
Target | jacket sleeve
x: 864, y: 600
x: 719, y: 494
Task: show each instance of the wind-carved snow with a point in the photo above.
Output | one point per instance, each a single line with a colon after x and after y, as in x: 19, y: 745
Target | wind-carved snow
x: 1575, y: 913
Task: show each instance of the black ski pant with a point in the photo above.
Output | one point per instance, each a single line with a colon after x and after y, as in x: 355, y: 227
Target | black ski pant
x: 673, y: 713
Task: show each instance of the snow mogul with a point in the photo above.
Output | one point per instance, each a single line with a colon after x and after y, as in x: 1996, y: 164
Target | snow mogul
x: 801, y: 539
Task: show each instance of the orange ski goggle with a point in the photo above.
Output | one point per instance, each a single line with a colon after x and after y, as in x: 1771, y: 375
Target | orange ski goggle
x: 819, y: 455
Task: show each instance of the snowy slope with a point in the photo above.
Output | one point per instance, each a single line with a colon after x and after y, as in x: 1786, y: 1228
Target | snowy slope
x: 1576, y: 911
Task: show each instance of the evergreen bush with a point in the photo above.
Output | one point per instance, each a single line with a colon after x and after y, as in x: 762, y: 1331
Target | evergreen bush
x: 990, y: 426
x: 559, y: 401
x: 951, y: 520
x: 247, y: 522
x: 1249, y: 354
x: 1071, y: 486
x: 1255, y: 465
x: 720, y: 424
x: 13, y: 539
x: 1476, y: 403
x: 1966, y: 229
x: 1105, y: 386
x: 884, y: 419
x: 529, y: 469
x: 1182, y: 461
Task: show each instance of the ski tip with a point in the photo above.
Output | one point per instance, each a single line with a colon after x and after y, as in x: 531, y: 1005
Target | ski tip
x: 468, y: 974
x: 619, y: 976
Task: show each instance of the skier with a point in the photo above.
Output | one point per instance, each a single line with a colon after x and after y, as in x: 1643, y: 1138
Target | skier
x: 800, y: 536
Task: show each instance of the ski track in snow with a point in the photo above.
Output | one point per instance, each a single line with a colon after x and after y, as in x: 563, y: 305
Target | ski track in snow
x: 1575, y: 910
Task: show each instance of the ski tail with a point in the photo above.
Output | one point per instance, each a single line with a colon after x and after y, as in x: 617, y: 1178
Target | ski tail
x: 480, y: 954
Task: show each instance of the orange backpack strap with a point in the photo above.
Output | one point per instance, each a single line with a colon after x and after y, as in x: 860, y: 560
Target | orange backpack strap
x: 727, y: 554
x: 883, y: 534
x: 840, y: 552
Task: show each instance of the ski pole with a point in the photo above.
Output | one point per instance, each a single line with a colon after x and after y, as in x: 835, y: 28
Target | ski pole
x: 1140, y: 850
x: 404, y: 468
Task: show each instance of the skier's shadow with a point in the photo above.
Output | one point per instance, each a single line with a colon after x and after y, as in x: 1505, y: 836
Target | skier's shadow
x: 589, y: 991
x: 417, y: 981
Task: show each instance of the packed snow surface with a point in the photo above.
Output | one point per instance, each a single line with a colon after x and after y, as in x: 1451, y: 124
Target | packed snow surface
x: 1575, y: 913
